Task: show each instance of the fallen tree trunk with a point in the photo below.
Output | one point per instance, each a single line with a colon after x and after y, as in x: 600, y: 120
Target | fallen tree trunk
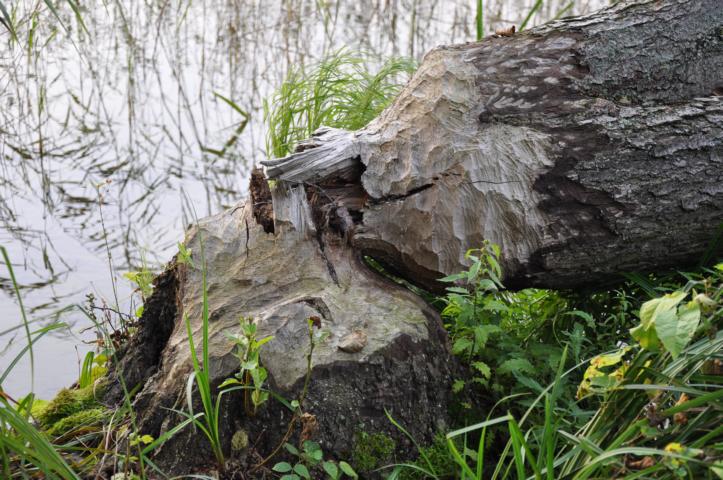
x: 585, y: 147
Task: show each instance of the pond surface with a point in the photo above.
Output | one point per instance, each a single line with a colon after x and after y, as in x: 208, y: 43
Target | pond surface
x: 113, y: 138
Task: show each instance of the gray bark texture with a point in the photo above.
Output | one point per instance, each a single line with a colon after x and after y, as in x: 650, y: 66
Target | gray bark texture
x: 584, y: 148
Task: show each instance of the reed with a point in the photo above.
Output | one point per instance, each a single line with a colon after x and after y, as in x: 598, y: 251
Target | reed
x: 337, y: 92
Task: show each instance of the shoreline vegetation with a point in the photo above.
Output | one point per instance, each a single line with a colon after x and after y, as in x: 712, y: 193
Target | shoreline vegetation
x: 623, y: 381
x: 609, y: 384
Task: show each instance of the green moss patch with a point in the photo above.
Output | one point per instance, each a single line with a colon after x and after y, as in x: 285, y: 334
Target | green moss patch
x: 372, y: 451
x: 69, y: 407
x: 93, y: 417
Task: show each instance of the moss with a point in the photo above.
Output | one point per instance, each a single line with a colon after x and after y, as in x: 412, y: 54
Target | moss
x: 80, y: 420
x: 39, y: 407
x: 69, y: 402
x: 372, y: 451
x: 239, y: 441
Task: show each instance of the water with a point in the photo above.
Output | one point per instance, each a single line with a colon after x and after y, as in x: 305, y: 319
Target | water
x: 114, y: 138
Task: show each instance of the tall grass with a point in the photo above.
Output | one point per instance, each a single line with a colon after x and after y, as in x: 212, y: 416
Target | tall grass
x: 20, y: 441
x: 337, y: 92
x: 8, y: 21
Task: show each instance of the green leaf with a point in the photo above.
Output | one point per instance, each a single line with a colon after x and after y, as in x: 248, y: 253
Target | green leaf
x: 676, y: 331
x: 646, y: 337
x: 282, y: 467
x: 584, y: 315
x: 291, y: 449
x: 496, y: 306
x: 453, y: 278
x: 316, y: 455
x: 461, y: 290
x: 331, y: 469
x: 301, y: 469
x: 473, y: 271
x: 461, y: 345
x: 457, y: 386
x: 482, y: 333
x: 487, y: 284
x: 482, y: 368
x: 652, y: 308
x: 516, y: 365
x: 184, y: 255
x: 346, y: 468
x: 658, y: 310
x: 261, y: 342
x: 717, y: 467
x: 227, y: 382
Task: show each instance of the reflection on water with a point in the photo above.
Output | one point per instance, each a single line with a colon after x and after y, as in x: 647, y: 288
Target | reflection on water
x: 126, y: 121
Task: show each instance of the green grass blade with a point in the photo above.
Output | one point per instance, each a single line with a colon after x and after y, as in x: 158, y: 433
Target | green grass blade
x: 169, y: 434
x: 458, y: 458
x: 518, y: 437
x: 86, y: 371
x: 707, y: 399
x: 33, y: 446
x: 24, y: 316
x: 477, y: 426
x: 481, y: 453
x: 416, y: 445
x: 76, y: 11
x: 637, y: 451
x: 530, y: 14
x: 479, y: 20
x: 549, y: 440
x: 232, y: 104
x: 38, y: 335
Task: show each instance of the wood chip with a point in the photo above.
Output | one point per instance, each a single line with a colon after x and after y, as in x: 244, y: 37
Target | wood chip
x: 353, y: 342
x: 505, y: 32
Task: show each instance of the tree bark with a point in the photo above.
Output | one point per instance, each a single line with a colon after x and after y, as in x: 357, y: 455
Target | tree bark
x: 586, y: 147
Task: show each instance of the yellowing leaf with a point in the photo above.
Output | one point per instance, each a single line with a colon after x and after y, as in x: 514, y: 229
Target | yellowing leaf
x: 676, y: 330
x: 646, y: 337
x: 653, y: 311
x: 609, y: 358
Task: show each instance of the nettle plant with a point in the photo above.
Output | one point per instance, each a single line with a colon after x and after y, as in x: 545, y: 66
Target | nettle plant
x: 512, y: 341
x: 251, y: 374
x: 309, y: 458
x: 468, y: 307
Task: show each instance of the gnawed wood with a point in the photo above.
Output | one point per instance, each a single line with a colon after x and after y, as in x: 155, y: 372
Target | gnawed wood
x: 579, y: 165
